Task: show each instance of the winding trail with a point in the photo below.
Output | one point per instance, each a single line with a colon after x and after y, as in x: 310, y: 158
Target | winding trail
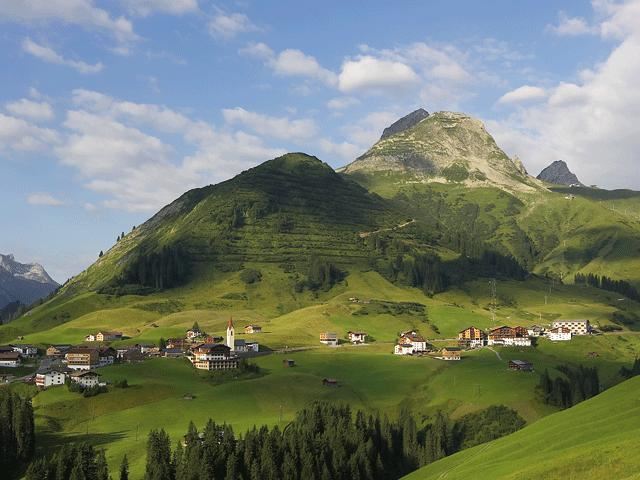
x: 497, y: 353
x: 402, y: 225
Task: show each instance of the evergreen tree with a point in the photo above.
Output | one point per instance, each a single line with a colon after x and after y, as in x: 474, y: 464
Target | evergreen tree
x: 124, y: 468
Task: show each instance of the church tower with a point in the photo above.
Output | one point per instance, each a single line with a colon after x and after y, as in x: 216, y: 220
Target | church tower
x: 231, y: 337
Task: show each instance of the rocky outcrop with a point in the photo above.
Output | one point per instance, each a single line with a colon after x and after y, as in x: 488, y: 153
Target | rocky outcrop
x: 405, y: 123
x: 558, y: 173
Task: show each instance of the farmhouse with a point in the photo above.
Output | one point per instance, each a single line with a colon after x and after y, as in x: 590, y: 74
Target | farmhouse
x: 50, y: 378
x: 57, y: 351
x: 108, y: 336
x: 559, y: 334
x: 410, y: 341
x: 330, y: 382
x: 521, y: 365
x: 253, y: 329
x: 535, y: 331
x: 194, y: 332
x: 577, y: 327
x: 10, y: 359
x: 107, y: 356
x: 450, y: 353
x: 472, y: 337
x: 213, y: 356
x: 173, y: 352
x: 357, y: 337
x: 27, y: 351
x: 509, y: 336
x: 329, y: 338
x: 90, y: 338
x: 288, y: 363
x: 82, y: 358
x: 86, y: 379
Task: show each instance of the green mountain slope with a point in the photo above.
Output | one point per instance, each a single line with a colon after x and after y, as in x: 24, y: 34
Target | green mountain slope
x: 595, y: 439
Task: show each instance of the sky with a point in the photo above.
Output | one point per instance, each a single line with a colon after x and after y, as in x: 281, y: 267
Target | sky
x: 109, y: 110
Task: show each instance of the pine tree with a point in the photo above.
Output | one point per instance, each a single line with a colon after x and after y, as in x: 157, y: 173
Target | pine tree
x: 100, y: 254
x: 124, y: 468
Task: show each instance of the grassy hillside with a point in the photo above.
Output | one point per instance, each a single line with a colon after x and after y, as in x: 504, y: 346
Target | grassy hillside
x: 595, y: 439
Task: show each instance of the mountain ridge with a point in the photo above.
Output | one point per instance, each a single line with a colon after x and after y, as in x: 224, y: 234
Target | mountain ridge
x: 23, y: 282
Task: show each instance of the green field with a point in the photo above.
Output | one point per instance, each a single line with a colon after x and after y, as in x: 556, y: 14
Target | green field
x: 595, y: 439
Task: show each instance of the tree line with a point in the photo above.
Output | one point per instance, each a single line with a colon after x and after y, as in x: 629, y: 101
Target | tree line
x: 576, y: 385
x: 606, y: 283
x: 17, y: 434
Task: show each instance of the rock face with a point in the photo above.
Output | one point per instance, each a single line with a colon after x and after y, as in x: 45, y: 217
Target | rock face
x: 25, y: 283
x: 405, y: 123
x: 558, y: 173
x: 444, y: 147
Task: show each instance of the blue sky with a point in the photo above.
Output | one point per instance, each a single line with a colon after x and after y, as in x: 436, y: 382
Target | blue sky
x: 111, y: 109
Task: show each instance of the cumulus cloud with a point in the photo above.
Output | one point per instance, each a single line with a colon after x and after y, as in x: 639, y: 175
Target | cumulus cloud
x: 47, y: 54
x: 290, y: 63
x: 571, y: 26
x: 526, y: 93
x: 369, y: 73
x: 277, y: 127
x: 42, y: 198
x: 344, y: 151
x: 229, y: 25
x: 588, y: 123
x: 20, y: 135
x: 30, y: 109
x: 115, y: 147
x: 342, y: 103
x: 83, y: 13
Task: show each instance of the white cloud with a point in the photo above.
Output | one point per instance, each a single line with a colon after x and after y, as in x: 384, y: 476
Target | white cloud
x: 290, y: 63
x: 49, y: 55
x: 369, y: 73
x: 526, y: 93
x: 344, y: 151
x: 571, y: 26
x: 277, y: 127
x: 77, y: 12
x: 112, y: 144
x: 589, y: 123
x: 30, y: 109
x: 148, y: 7
x: 342, y: 103
x: 229, y: 25
x: 42, y: 198
x: 18, y: 134
x: 366, y: 131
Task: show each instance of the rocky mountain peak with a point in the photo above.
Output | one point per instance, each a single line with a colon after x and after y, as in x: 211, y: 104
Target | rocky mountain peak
x: 405, y: 123
x: 558, y: 173
x: 23, y: 282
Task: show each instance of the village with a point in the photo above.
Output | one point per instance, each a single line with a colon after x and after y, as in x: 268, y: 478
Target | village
x: 66, y: 363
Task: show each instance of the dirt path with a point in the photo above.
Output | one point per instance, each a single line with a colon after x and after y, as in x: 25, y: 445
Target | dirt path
x: 402, y: 225
x: 497, y: 353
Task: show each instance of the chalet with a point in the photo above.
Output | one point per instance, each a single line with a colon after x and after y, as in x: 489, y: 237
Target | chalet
x: 27, y: 351
x: 472, y: 337
x: 560, y: 334
x: 180, y: 343
x: 288, y: 363
x: 108, y: 336
x: 147, y: 349
x: 253, y: 329
x: 50, y: 378
x: 82, y: 358
x: 411, y: 340
x: 90, y: 338
x: 330, y: 382
x: 194, y: 332
x: 577, y: 327
x: 213, y: 356
x: 244, y: 346
x: 357, y: 337
x: 86, y: 379
x: 10, y: 359
x: 521, y: 365
x: 106, y: 356
x: 450, y: 353
x: 57, y: 351
x: 509, y: 336
x: 535, y: 331
x: 6, y: 349
x: 329, y: 338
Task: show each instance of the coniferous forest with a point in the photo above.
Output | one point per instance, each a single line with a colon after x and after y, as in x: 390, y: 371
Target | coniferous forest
x: 605, y: 283
x: 17, y: 434
x: 576, y: 385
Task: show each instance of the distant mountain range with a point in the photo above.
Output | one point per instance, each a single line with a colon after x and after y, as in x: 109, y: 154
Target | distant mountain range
x: 23, y: 282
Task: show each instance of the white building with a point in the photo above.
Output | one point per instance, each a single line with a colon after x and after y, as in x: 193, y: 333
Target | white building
x: 357, y: 337
x: 403, y: 349
x: 329, y: 338
x: 25, y: 350
x: 244, y: 346
x: 50, y: 379
x: 10, y: 359
x: 560, y: 334
x: 535, y: 331
x: 87, y: 379
x: 577, y: 327
x: 90, y: 338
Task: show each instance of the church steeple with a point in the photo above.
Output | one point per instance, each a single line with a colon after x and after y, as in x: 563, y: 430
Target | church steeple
x: 231, y: 335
